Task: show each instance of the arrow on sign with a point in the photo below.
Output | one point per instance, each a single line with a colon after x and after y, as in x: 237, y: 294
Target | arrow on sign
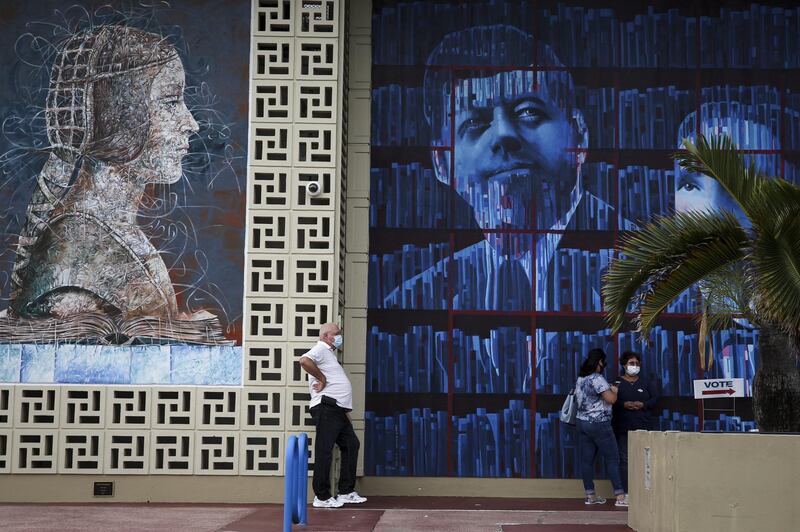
x: 729, y: 391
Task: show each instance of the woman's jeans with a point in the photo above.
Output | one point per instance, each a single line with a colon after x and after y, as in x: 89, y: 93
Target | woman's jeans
x: 599, y: 436
x: 622, y: 445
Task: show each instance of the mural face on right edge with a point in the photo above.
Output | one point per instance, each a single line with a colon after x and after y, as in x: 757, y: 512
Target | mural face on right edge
x: 511, y: 144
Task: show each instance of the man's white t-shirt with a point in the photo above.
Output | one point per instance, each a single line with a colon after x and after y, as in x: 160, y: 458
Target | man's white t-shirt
x: 338, y: 385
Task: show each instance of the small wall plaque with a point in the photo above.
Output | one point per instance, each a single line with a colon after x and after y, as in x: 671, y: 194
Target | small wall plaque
x: 103, y: 489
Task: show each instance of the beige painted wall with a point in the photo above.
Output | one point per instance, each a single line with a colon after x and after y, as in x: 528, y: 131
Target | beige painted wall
x: 356, y: 240
x: 246, y: 490
x: 142, y: 488
x: 715, y: 482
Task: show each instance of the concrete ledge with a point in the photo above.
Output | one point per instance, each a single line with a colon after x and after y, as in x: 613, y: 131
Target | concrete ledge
x: 714, y: 482
x: 478, y: 487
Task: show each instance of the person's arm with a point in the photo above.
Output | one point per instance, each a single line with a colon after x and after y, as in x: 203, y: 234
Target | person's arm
x: 615, y: 384
x: 311, y: 368
x: 609, y: 394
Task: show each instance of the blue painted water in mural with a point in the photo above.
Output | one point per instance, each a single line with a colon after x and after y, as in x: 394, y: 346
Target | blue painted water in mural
x: 108, y: 364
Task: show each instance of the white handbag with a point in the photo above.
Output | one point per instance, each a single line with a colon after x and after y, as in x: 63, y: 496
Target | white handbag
x: 569, y: 410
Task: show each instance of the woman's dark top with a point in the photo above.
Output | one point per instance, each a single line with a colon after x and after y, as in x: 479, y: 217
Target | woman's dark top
x: 623, y: 419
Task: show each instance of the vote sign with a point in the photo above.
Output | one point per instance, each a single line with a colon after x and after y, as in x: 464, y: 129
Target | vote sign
x: 718, y: 388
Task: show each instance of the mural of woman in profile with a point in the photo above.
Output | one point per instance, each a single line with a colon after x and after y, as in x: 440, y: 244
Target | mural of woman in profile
x: 116, y: 122
x: 748, y: 130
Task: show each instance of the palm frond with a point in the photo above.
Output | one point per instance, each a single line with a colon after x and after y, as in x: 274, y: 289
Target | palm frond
x: 727, y: 296
x: 665, y: 258
x: 775, y: 273
x: 700, y: 261
x: 774, y: 204
x: 704, y: 345
x: 726, y: 303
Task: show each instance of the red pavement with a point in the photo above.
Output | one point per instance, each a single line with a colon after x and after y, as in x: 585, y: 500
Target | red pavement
x: 566, y: 528
x: 379, y: 514
x: 483, y: 503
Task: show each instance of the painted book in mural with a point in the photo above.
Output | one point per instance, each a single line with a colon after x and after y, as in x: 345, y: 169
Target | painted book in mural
x: 202, y: 328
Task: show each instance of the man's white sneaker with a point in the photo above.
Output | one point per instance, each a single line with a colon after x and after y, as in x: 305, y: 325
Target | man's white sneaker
x: 328, y: 503
x: 351, y: 498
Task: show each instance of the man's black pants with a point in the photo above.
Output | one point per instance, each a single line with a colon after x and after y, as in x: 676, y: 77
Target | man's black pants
x: 333, y: 427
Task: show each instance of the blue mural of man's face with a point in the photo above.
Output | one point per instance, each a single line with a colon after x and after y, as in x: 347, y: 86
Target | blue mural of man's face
x: 517, y: 154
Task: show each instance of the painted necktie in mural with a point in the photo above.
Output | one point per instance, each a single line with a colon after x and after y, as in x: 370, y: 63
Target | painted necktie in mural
x: 107, y: 239
x: 512, y: 143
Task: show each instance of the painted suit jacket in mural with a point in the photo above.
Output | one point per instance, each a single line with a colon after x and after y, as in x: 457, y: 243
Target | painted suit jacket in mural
x: 483, y: 279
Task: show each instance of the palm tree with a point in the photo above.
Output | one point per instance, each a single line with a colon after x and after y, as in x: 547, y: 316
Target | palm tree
x: 750, y: 273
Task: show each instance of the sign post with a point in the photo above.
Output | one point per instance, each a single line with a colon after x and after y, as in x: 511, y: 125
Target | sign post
x: 705, y: 389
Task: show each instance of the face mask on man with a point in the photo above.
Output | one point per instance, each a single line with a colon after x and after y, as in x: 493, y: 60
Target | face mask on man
x: 632, y: 370
x: 337, y: 341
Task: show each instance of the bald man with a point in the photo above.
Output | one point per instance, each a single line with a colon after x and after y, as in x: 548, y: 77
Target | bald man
x: 331, y: 402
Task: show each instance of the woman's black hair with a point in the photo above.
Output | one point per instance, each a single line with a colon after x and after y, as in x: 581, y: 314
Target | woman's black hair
x: 594, y: 357
x: 627, y: 355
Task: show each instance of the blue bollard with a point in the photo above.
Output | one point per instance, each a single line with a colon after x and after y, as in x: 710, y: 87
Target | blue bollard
x: 289, y: 482
x: 302, y: 477
x: 295, y: 482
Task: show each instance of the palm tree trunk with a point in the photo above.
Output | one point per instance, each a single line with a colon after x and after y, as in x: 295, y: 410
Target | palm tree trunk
x: 776, y: 386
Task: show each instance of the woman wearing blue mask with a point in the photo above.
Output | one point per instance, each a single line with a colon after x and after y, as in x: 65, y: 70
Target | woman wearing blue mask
x: 635, y: 399
x: 595, y: 397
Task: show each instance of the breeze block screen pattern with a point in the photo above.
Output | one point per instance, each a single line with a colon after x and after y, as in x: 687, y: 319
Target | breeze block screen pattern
x: 512, y: 143
x: 292, y: 253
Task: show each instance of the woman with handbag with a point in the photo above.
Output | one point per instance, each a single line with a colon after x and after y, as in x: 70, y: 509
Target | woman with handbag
x: 595, y: 397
